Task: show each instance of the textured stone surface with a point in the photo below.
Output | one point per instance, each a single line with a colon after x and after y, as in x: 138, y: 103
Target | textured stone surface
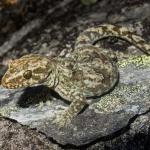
x: 112, y: 113
x: 14, y: 136
x: 34, y: 109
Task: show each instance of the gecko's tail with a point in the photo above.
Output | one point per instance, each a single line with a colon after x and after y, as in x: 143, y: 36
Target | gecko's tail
x: 91, y: 35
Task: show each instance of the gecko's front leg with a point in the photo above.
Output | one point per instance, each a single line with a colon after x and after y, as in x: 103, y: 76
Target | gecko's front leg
x: 66, y: 116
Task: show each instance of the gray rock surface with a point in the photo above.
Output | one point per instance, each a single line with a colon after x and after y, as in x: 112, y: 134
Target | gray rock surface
x: 14, y: 136
x: 112, y: 113
x: 124, y: 112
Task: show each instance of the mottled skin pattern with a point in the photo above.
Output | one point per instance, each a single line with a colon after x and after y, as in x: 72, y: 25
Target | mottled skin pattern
x: 87, y: 72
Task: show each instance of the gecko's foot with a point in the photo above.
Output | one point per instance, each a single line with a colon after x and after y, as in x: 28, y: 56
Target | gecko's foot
x: 62, y: 120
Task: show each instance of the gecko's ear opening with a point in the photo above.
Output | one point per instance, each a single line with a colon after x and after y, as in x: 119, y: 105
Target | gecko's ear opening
x: 10, y: 63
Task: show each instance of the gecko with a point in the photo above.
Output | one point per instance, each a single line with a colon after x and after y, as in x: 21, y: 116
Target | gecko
x: 87, y: 72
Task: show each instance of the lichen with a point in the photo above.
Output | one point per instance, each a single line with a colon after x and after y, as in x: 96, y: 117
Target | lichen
x: 138, y: 61
x: 126, y: 96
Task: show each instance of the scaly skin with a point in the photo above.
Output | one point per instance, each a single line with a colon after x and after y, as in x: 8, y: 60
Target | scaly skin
x: 87, y: 72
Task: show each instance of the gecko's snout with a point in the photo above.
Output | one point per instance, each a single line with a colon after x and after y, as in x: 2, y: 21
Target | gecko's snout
x: 5, y: 83
x: 8, y: 82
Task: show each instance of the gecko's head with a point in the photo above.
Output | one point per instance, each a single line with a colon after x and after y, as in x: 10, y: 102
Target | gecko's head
x: 26, y: 71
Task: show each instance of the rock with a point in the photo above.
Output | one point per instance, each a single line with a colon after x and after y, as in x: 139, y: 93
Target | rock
x: 109, y: 114
x: 126, y: 107
x: 135, y: 136
x: 14, y: 136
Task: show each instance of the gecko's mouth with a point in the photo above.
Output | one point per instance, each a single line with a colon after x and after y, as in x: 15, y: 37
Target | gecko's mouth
x: 10, y: 85
x: 15, y: 85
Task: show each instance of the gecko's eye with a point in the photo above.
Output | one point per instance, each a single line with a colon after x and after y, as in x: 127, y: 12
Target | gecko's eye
x: 27, y: 74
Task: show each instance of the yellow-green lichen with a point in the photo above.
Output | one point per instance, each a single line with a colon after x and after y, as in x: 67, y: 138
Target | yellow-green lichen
x: 124, y: 94
x: 138, y: 61
x: 130, y: 88
x: 109, y: 104
x: 119, y: 98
